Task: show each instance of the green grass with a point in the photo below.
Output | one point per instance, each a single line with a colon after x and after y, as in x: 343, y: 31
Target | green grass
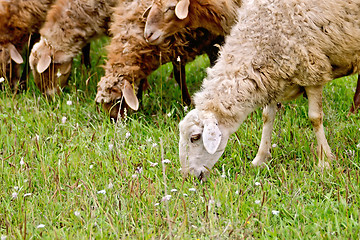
x: 54, y: 172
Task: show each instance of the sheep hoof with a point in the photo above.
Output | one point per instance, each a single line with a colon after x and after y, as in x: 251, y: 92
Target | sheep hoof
x: 322, y: 165
x: 261, y: 158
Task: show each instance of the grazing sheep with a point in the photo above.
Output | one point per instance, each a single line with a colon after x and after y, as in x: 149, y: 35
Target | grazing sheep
x: 131, y: 59
x: 166, y: 17
x: 276, y: 51
x: 69, y: 26
x: 19, y: 19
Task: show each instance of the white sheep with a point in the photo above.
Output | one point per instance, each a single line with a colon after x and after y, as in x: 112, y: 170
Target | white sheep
x: 166, y: 17
x: 19, y: 19
x: 69, y: 26
x: 131, y: 59
x: 276, y: 51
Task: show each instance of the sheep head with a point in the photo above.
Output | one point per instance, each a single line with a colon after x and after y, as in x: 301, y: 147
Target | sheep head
x: 9, y: 55
x: 117, y: 95
x: 202, y: 142
x: 51, y: 68
x: 164, y: 18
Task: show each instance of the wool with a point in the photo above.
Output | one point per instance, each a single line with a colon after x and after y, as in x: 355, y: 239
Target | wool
x: 19, y: 19
x: 70, y: 25
x: 277, y: 50
x: 131, y: 59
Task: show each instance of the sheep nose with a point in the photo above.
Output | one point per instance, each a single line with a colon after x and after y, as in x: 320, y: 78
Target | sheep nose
x: 147, y: 34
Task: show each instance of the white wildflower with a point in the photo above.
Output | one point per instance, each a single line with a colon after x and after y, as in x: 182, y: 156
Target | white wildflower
x: 274, y: 145
x: 14, y: 195
x: 173, y: 190
x: 91, y: 166
x: 40, y: 226
x: 27, y: 194
x: 156, y: 204
x: 69, y: 103
x: 63, y: 120
x: 166, y: 198
x: 37, y: 137
x: 152, y: 164
x: 127, y: 135
x: 185, y: 195
x: 154, y: 145
x: 257, y: 202
x: 77, y: 213
x: 110, y: 185
x: 237, y: 192
x: 102, y: 192
x: 139, y: 170
x: 257, y: 184
x: 22, y: 161
x: 192, y: 189
x: 186, y: 108
x: 111, y: 146
x: 134, y: 176
x: 275, y: 212
x: 169, y: 114
x: 2, y: 79
x: 166, y: 161
x: 178, y: 59
x: 350, y: 153
x: 358, y: 146
x: 16, y: 188
x: 223, y: 176
x: 58, y: 74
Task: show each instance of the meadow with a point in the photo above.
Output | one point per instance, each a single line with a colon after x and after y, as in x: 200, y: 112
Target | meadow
x: 68, y: 172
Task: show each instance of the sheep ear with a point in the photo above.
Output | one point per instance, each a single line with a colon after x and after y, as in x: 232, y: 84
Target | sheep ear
x: 182, y: 9
x: 146, y: 12
x: 43, y: 63
x: 14, y: 54
x: 211, y: 136
x: 130, y: 97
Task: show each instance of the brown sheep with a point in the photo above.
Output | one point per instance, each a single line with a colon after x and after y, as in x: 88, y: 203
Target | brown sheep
x: 69, y: 26
x: 131, y: 59
x: 19, y: 19
x: 166, y: 17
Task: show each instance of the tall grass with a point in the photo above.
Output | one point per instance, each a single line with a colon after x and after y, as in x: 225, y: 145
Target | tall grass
x: 68, y: 172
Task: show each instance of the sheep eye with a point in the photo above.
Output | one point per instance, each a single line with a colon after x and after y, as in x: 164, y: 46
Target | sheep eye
x: 195, y: 137
x: 171, y: 8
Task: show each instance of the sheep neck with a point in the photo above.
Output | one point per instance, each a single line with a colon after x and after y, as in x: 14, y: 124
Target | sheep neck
x: 216, y: 16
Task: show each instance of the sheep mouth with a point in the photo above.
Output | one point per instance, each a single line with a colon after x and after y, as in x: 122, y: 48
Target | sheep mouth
x: 155, y: 39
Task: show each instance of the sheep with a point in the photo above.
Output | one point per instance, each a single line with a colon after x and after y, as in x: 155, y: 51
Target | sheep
x: 131, y: 59
x: 277, y: 50
x: 166, y: 17
x: 69, y: 26
x: 19, y: 19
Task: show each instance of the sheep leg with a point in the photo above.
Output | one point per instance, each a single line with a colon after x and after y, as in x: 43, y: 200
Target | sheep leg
x: 179, y: 74
x: 356, y: 102
x: 314, y: 94
x: 85, y: 58
x: 268, y: 117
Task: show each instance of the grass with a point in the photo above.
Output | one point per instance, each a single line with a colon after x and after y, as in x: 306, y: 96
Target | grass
x: 68, y: 172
